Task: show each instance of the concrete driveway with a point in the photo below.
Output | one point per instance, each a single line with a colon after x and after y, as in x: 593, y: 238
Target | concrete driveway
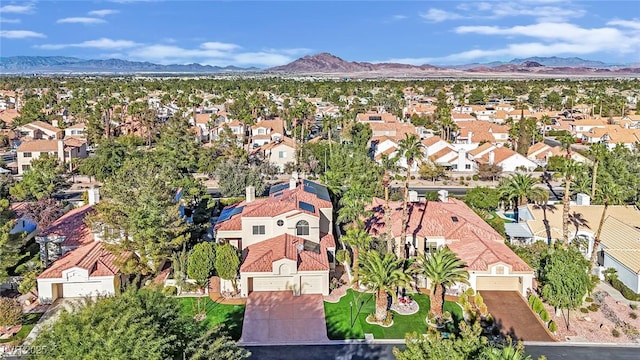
x: 277, y: 317
x: 514, y: 317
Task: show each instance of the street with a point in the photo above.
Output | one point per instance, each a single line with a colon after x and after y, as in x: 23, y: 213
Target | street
x: 385, y: 352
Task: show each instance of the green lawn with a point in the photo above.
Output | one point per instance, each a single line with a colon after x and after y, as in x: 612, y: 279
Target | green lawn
x: 28, y: 322
x: 231, y: 316
x: 339, y: 318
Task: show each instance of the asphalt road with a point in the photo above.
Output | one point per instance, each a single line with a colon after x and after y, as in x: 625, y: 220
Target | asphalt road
x: 384, y: 352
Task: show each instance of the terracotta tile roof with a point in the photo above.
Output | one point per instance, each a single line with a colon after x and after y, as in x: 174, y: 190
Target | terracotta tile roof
x: 18, y: 208
x: 482, y: 130
x: 473, y: 240
x: 537, y: 148
x: 284, y: 141
x: 38, y: 145
x: 260, y: 257
x: 203, y: 118
x: 276, y: 125
x: 92, y: 257
x: 480, y: 149
x: 441, y: 153
x: 384, y: 117
x: 431, y: 140
x: 74, y: 142
x: 9, y: 115
x: 45, y: 126
x: 500, y: 154
x: 76, y: 127
x: 72, y: 226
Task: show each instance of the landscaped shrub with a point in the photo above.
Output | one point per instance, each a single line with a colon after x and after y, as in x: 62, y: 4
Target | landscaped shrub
x: 230, y: 201
x: 624, y: 290
x: 475, y: 177
x: 553, y: 327
x: 615, y: 333
x: 633, y: 315
x: 584, y: 310
x: 544, y: 315
x: 633, y: 306
x: 593, y: 307
x: 468, y: 178
x: 537, y: 305
x: 588, y: 299
x: 170, y: 291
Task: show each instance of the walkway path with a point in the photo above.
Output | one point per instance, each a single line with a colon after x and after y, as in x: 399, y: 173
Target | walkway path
x: 514, y: 317
x: 277, y: 317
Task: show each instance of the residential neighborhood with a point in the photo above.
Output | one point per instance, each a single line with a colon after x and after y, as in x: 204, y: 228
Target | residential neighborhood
x: 273, y: 212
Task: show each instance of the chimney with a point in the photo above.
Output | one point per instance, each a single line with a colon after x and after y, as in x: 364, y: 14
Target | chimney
x: 443, y: 195
x: 250, y: 193
x: 413, y: 196
x: 470, y: 138
x: 583, y: 199
x: 62, y: 156
x: 462, y: 159
x: 93, y: 196
x: 293, y: 183
x: 492, y: 157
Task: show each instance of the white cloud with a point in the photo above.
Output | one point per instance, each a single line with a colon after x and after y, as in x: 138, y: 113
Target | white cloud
x: 81, y: 20
x: 103, y: 12
x: 438, y: 15
x: 17, y: 9
x: 631, y: 24
x: 102, y: 43
x: 219, y: 46
x: 9, y: 21
x: 542, y: 10
x: 20, y: 34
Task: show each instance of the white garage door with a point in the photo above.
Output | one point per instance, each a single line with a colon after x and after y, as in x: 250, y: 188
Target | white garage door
x: 311, y: 284
x: 81, y: 289
x: 511, y: 283
x: 272, y: 283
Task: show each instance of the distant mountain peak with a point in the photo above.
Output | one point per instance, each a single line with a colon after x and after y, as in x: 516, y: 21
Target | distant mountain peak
x: 328, y: 63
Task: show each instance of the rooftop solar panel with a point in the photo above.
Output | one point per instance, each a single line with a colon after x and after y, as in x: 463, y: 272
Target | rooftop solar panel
x: 306, y: 206
x: 278, y: 187
x: 227, y: 213
x: 320, y: 191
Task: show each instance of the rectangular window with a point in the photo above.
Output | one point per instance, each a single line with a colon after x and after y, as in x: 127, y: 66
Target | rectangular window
x: 26, y: 167
x: 258, y: 230
x: 27, y: 154
x: 467, y: 166
x: 430, y: 247
x: 282, y: 154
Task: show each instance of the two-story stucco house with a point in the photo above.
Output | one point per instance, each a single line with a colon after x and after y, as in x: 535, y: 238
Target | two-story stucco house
x: 64, y: 150
x: 286, y: 239
x: 278, y: 153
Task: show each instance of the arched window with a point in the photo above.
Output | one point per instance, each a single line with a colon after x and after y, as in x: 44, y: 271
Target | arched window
x: 302, y: 228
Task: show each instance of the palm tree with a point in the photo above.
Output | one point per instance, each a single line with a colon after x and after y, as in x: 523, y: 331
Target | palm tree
x: 389, y: 165
x: 570, y: 169
x: 521, y: 188
x: 611, y: 194
x: 411, y: 149
x: 382, y: 275
x: 352, y: 205
x: 359, y: 240
x: 597, y: 151
x: 444, y: 269
x: 509, y: 352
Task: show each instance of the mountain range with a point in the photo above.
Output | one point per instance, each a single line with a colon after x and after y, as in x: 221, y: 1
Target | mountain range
x: 322, y: 63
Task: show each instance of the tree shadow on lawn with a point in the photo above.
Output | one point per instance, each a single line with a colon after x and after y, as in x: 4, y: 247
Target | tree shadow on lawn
x: 341, y: 324
x: 230, y: 317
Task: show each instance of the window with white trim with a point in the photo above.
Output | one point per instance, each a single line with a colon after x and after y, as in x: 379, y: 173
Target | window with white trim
x: 259, y: 230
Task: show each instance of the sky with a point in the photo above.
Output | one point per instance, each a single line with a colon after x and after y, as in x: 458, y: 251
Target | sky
x: 271, y: 33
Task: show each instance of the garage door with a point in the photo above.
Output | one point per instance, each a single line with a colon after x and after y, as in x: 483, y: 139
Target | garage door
x: 271, y: 283
x: 511, y: 283
x: 311, y: 284
x: 81, y: 289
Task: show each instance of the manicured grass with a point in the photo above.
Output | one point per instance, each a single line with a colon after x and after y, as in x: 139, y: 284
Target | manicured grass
x: 342, y: 324
x: 231, y: 316
x: 28, y: 322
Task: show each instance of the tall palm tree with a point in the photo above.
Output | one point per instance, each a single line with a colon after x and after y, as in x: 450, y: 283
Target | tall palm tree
x: 444, y: 269
x: 411, y: 149
x: 389, y: 165
x: 359, y: 240
x: 570, y: 169
x: 611, y: 194
x: 597, y: 152
x: 521, y: 188
x: 382, y: 275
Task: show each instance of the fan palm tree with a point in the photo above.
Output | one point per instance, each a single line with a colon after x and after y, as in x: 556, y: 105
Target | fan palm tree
x: 444, y: 269
x: 597, y: 152
x: 389, y: 165
x: 611, y: 194
x: 411, y: 149
x: 509, y: 352
x: 521, y: 188
x: 570, y: 169
x: 383, y: 275
x: 359, y: 240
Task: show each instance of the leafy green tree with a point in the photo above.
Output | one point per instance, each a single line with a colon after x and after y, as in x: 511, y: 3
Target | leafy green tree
x: 138, y: 215
x: 483, y: 198
x: 176, y: 146
x: 41, y: 180
x: 234, y: 177
x: 202, y: 261
x: 228, y: 264
x: 10, y: 244
x: 443, y: 268
x: 410, y: 148
x: 359, y: 240
x: 430, y: 170
x: 10, y: 312
x: 468, y: 344
x: 6, y: 182
x: 141, y: 324
x: 489, y: 171
x: 110, y: 155
x: 382, y: 275
x: 564, y: 274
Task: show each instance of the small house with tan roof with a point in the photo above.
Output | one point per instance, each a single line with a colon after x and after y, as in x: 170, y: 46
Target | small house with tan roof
x: 475, y: 132
x: 266, y: 131
x: 376, y: 117
x: 65, y: 150
x: 620, y: 250
x: 492, y: 265
x: 612, y: 135
x: 40, y: 130
x: 76, y: 130
x: 286, y: 239
x: 278, y: 153
x: 502, y: 156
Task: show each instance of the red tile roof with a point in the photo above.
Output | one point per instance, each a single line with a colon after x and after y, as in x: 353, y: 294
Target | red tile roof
x: 72, y: 226
x: 470, y: 237
x: 91, y: 257
x: 260, y: 257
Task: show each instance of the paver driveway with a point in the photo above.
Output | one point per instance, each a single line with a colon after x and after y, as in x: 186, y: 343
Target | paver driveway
x: 277, y: 317
x: 514, y: 316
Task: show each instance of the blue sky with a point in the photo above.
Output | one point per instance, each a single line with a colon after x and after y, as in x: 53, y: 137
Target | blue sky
x: 269, y: 33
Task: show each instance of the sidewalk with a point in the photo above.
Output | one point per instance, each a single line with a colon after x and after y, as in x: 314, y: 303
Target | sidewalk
x: 615, y: 294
